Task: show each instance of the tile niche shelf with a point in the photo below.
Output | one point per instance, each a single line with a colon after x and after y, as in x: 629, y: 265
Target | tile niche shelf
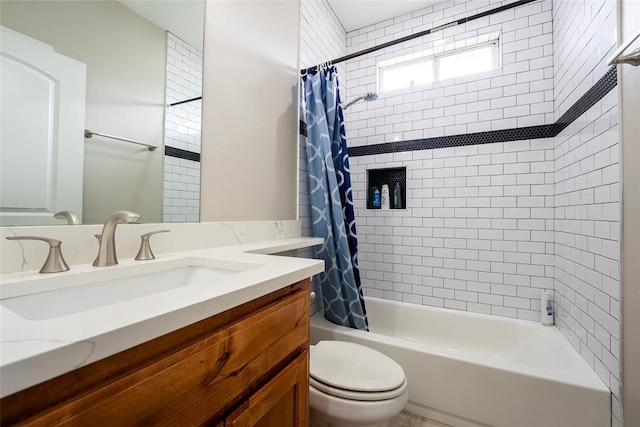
x: 390, y: 176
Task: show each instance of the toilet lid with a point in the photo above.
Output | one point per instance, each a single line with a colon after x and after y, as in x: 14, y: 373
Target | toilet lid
x: 354, y: 367
x: 358, y: 395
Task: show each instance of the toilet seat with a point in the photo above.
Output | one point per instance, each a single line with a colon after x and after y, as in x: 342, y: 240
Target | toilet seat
x: 357, y: 395
x: 355, y: 372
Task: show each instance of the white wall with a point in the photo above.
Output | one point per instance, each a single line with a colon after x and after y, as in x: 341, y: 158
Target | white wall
x: 476, y: 234
x: 80, y: 247
x: 518, y: 94
x: 183, y: 124
x: 181, y: 202
x: 322, y: 38
x: 488, y: 227
x: 587, y: 191
x: 477, y: 231
x: 629, y: 87
x: 125, y: 56
x: 184, y: 81
x: 250, y: 98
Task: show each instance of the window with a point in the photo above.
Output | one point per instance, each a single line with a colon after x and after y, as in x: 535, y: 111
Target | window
x: 440, y: 63
x: 467, y: 62
x: 406, y: 75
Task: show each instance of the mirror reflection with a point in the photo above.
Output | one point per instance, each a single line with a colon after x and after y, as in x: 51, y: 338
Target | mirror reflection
x: 114, y: 69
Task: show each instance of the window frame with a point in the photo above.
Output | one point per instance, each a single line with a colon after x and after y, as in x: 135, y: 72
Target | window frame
x: 435, y: 58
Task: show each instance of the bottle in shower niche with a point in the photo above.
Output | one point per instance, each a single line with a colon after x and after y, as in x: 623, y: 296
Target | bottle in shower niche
x: 375, y: 198
x: 397, y: 196
x: 385, y: 202
x: 546, y: 309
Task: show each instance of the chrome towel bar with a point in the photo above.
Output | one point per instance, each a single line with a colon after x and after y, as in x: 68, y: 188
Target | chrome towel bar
x: 89, y: 134
x: 633, y: 58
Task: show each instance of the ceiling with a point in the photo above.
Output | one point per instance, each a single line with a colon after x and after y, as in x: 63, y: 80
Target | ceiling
x: 355, y: 14
x: 183, y: 18
x: 179, y: 16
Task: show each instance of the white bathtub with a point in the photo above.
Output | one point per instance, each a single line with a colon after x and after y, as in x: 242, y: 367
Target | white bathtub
x: 467, y: 369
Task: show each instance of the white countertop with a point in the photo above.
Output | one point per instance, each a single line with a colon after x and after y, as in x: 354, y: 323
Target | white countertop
x: 35, y: 350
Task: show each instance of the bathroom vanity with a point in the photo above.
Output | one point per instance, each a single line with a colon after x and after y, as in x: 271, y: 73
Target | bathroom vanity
x: 245, y: 364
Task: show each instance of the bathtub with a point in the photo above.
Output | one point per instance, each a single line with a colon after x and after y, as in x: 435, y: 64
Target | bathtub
x: 468, y: 370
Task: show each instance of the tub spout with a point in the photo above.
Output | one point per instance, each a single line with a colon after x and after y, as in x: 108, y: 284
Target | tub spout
x: 107, y: 252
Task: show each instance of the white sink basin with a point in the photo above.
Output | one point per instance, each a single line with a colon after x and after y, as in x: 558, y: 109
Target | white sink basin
x: 62, y: 300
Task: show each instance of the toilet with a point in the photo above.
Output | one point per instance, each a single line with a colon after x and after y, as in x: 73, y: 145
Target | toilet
x: 352, y: 385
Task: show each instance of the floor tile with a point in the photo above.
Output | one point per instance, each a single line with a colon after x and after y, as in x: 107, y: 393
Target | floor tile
x: 407, y: 419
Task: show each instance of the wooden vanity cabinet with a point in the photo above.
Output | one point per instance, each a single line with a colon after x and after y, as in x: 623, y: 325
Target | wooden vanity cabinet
x: 247, y: 366
x: 281, y: 402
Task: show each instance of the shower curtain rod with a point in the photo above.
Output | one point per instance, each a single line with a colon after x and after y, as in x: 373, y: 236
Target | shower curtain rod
x: 185, y: 101
x: 424, y: 33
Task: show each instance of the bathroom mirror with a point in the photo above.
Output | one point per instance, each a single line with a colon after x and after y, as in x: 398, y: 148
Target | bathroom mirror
x: 136, y: 58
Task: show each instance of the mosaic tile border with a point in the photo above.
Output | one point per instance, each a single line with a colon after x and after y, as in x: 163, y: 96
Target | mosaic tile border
x: 516, y: 134
x: 588, y: 100
x: 181, y: 154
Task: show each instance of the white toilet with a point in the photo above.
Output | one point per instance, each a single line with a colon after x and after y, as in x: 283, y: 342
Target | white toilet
x: 353, y: 385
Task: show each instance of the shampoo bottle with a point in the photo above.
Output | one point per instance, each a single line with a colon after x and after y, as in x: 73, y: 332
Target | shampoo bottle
x: 384, y: 198
x: 375, y: 202
x: 546, y: 309
x: 397, y: 196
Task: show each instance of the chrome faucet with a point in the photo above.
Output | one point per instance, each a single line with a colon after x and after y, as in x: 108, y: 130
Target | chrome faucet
x: 107, y: 252
x: 68, y: 215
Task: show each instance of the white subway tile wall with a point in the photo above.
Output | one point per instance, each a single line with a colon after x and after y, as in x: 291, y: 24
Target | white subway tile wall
x: 518, y: 94
x: 322, y: 38
x: 584, y: 35
x: 487, y: 228
x: 587, y: 191
x: 477, y: 232
x: 181, y: 194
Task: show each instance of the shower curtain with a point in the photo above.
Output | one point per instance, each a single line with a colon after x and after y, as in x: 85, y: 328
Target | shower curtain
x: 331, y: 201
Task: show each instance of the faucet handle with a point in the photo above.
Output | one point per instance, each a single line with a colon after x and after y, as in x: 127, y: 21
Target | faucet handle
x: 55, y: 262
x: 145, y: 254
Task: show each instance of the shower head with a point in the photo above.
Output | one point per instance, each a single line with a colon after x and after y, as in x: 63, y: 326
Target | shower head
x: 369, y: 96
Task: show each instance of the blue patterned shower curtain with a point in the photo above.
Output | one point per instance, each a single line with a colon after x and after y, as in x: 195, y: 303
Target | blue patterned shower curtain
x: 331, y: 201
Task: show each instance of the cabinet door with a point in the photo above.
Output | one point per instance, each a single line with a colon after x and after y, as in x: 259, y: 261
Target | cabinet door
x: 282, y: 402
x: 201, y: 381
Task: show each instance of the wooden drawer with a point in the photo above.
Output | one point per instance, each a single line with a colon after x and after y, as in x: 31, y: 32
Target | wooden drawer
x: 282, y: 402
x: 200, y: 382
